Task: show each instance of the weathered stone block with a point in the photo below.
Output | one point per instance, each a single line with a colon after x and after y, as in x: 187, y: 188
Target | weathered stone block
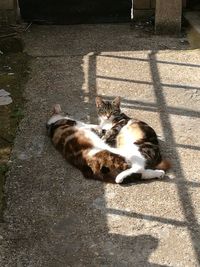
x: 168, y: 16
x: 7, y: 17
x: 6, y: 4
x: 8, y: 11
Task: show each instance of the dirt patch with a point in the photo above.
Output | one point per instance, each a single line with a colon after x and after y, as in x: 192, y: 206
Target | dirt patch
x: 13, y: 75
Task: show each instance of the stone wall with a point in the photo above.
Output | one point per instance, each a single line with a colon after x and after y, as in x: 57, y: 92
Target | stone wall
x: 8, y: 11
x: 141, y: 9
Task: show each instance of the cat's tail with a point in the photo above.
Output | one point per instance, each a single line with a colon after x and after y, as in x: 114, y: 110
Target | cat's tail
x: 164, y: 165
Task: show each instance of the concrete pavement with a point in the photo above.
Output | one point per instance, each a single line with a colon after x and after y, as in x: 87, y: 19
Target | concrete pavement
x: 54, y: 217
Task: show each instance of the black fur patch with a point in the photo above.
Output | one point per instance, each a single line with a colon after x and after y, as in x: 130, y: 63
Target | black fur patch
x: 52, y: 127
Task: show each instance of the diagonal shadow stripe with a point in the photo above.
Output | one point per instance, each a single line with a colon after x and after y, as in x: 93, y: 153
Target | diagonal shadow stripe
x: 158, y: 61
x: 152, y: 107
x: 177, y: 86
x: 184, y: 196
x: 146, y: 217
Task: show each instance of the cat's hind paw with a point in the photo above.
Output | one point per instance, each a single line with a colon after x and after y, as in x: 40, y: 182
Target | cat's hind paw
x: 159, y: 173
x: 151, y: 174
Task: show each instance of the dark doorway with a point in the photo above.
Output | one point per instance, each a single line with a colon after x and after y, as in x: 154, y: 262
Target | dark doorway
x: 193, y: 4
x: 75, y: 11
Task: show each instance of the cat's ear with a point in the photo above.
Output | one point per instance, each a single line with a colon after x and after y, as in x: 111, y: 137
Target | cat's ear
x: 98, y: 101
x: 117, y: 101
x: 57, y: 109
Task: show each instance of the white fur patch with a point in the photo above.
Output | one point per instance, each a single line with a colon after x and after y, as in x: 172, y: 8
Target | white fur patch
x: 134, y: 169
x: 106, y: 124
x: 54, y: 119
x: 146, y: 174
x: 96, y: 140
x: 83, y: 125
x: 94, y: 151
x: 57, y: 117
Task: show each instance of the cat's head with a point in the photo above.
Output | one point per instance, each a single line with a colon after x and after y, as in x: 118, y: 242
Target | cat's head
x: 107, y: 110
x: 57, y: 119
x: 56, y: 114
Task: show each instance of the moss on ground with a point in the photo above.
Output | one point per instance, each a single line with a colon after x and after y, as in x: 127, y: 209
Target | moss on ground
x: 13, y: 75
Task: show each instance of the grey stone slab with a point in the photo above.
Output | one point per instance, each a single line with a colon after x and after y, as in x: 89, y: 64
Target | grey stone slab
x: 54, y: 217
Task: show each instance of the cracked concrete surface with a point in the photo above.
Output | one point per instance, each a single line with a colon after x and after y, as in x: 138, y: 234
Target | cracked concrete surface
x: 54, y: 217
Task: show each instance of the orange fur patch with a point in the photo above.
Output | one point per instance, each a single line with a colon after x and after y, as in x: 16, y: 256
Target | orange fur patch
x: 136, y: 132
x: 164, y: 165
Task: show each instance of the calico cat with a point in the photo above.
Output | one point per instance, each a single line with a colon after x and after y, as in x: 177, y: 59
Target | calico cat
x: 119, y: 130
x: 82, y: 148
x: 86, y: 151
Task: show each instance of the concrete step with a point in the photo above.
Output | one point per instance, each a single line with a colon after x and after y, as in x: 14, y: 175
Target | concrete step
x: 193, y: 18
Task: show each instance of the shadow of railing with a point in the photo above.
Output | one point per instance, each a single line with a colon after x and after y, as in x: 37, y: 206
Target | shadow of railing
x: 146, y: 217
x: 114, y: 244
x: 158, y: 61
x: 184, y: 196
x: 176, y: 86
x: 152, y: 107
x: 164, y: 111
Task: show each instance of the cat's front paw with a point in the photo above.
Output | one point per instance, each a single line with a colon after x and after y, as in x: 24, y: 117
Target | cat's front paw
x: 98, y: 131
x: 103, y: 138
x: 119, y: 179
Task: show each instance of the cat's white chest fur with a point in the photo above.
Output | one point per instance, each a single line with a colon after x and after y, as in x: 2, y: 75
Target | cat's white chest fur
x: 106, y: 125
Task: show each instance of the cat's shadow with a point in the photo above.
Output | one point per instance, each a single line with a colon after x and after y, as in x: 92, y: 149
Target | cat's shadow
x: 132, y: 181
